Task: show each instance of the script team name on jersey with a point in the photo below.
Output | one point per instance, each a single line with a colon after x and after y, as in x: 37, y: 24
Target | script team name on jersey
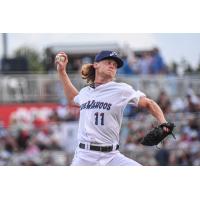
x: 95, y: 105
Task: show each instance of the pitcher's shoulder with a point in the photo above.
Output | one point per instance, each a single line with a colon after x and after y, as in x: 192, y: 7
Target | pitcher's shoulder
x: 122, y: 85
x: 84, y: 89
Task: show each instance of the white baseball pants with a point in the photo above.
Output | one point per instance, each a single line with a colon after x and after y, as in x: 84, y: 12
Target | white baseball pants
x: 85, y: 157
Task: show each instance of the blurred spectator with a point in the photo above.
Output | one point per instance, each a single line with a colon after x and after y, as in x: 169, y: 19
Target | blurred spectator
x: 144, y: 63
x: 157, y: 65
x: 126, y: 69
x: 77, y: 63
x: 22, y: 139
x: 178, y: 105
x: 164, y: 102
x: 32, y: 148
x: 184, y: 159
x: 162, y: 156
x: 130, y: 111
x: 192, y: 101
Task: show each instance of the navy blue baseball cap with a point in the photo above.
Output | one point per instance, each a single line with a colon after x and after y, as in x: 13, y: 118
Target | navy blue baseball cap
x: 109, y: 54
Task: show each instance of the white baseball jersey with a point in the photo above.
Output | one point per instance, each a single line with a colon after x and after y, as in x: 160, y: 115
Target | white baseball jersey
x: 101, y: 111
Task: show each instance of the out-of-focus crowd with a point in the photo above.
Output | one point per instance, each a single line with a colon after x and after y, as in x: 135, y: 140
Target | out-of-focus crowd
x: 48, y: 137
x: 39, y: 137
x: 147, y: 62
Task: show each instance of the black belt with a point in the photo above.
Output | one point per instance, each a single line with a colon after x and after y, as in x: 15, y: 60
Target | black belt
x: 98, y: 148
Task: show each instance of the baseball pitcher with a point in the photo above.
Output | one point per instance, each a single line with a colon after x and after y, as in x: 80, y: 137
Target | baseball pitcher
x: 102, y: 103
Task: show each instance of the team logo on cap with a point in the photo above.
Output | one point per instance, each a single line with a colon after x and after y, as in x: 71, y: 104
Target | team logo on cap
x: 113, y: 54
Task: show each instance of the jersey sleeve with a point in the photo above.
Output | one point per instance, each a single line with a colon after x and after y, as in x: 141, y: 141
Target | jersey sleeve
x: 77, y: 99
x: 132, y: 96
x: 80, y: 96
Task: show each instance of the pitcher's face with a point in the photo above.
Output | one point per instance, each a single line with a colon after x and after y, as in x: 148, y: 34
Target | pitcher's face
x: 106, y: 68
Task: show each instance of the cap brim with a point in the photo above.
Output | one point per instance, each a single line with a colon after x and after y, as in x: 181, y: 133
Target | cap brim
x: 118, y: 60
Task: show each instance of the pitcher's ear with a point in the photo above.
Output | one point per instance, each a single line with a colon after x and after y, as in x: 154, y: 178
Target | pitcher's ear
x: 95, y: 65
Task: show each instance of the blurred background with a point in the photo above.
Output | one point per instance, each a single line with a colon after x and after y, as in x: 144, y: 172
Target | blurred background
x: 38, y: 127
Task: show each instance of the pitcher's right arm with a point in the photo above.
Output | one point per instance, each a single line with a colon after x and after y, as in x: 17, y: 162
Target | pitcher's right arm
x: 69, y: 89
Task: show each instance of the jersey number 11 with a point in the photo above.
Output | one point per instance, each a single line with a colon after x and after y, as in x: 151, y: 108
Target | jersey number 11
x: 97, y: 118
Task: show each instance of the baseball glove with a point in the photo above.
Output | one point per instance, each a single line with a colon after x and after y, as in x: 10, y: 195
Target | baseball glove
x: 157, y: 134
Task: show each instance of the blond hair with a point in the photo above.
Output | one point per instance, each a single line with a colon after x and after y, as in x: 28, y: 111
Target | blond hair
x: 88, y: 73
